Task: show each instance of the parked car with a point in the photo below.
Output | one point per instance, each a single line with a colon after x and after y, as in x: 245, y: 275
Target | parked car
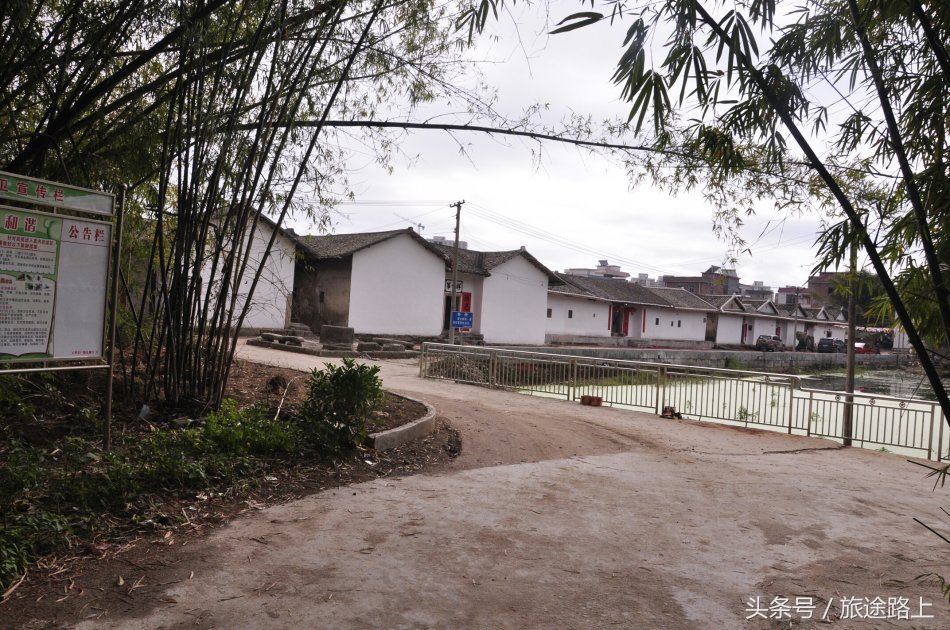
x: 769, y: 343
x: 862, y: 347
x: 826, y: 345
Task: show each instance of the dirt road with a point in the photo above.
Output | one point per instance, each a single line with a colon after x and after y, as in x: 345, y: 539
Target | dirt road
x: 557, y: 515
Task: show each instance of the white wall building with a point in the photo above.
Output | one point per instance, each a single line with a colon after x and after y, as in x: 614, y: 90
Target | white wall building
x: 514, y: 303
x: 270, y: 305
x: 398, y: 284
x: 585, y: 307
x: 729, y: 320
x: 569, y: 314
x: 396, y: 289
x: 382, y: 283
x: 506, y: 292
x: 669, y: 323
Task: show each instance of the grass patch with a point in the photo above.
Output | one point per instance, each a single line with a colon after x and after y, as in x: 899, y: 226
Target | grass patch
x: 52, y: 489
x: 733, y: 363
x: 630, y: 378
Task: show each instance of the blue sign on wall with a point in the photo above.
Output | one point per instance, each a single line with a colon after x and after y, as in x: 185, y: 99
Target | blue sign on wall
x: 461, y: 319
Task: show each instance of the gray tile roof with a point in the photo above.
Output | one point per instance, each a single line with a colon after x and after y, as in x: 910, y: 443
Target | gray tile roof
x: 681, y: 298
x: 719, y: 301
x: 754, y: 305
x: 609, y: 289
x: 481, y: 263
x: 342, y: 245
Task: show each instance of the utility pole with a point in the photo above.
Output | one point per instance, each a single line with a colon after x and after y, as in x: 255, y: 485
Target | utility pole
x: 455, y: 267
x: 847, y: 418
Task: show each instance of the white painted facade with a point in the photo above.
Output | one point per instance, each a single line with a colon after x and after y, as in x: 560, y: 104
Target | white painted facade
x: 764, y: 325
x: 789, y: 329
x: 830, y: 329
x: 669, y: 323
x: 901, y: 342
x: 576, y: 315
x: 514, y: 303
x: 472, y: 284
x: 270, y: 302
x: 729, y: 329
x: 396, y: 288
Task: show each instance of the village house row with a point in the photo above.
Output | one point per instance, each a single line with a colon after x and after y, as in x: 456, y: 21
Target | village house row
x: 397, y: 283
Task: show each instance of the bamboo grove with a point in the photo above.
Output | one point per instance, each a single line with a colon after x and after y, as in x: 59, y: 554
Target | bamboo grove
x: 187, y: 104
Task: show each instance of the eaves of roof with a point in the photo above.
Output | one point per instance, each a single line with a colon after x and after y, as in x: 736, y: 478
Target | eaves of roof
x: 322, y: 247
x: 619, y: 291
x: 682, y: 299
x: 481, y: 263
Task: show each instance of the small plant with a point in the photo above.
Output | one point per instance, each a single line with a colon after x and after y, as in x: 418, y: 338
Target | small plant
x: 248, y: 431
x: 745, y: 415
x: 13, y: 404
x: 732, y: 363
x: 23, y: 537
x: 338, y: 405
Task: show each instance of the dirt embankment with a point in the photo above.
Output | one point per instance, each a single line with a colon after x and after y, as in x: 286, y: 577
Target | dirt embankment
x: 557, y: 515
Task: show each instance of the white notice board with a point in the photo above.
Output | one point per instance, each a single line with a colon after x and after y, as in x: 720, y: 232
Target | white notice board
x: 53, y: 278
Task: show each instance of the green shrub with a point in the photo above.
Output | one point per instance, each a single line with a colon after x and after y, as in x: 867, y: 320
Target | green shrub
x: 733, y: 363
x: 249, y: 431
x: 339, y: 402
x: 13, y: 404
x: 24, y: 537
x: 22, y: 472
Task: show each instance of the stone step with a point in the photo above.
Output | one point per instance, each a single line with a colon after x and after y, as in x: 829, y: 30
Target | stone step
x: 298, y: 330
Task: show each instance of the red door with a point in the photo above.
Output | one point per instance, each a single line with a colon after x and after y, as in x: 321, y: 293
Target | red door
x: 465, y: 306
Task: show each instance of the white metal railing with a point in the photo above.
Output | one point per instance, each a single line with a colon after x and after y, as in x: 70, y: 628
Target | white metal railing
x: 739, y: 397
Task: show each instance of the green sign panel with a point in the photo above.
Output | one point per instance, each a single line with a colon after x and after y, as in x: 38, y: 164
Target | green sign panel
x: 53, y: 274
x: 56, y: 195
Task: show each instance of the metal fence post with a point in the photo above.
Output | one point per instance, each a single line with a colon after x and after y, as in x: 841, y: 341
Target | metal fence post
x: 492, y: 367
x: 811, y: 399
x: 790, y: 392
x: 571, y: 378
x: 930, y: 437
x: 940, y: 435
x: 660, y: 389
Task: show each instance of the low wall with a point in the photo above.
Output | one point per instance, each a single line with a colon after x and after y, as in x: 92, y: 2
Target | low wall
x: 626, y: 342
x: 734, y: 359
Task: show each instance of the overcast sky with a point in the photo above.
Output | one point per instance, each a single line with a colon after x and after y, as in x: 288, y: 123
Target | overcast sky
x: 570, y: 209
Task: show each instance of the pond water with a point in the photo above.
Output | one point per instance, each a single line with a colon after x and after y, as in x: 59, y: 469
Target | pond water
x: 896, y: 383
x: 879, y: 421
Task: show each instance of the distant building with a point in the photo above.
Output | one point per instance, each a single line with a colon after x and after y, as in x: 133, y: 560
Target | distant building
x: 644, y: 280
x: 821, y: 286
x: 756, y: 291
x: 713, y: 281
x: 603, y: 270
x: 450, y: 242
x: 790, y: 296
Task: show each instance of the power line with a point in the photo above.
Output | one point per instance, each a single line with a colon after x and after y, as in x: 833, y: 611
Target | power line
x: 554, y: 239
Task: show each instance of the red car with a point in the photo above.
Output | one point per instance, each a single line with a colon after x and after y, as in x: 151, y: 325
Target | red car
x: 866, y: 348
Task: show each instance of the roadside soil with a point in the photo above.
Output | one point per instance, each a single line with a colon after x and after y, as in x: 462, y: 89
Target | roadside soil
x: 88, y: 578
x: 557, y: 515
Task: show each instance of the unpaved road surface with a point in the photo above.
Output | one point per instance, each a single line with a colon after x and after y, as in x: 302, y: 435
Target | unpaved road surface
x: 562, y: 516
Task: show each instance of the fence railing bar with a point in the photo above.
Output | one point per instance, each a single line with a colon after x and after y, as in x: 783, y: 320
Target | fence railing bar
x: 776, y: 401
